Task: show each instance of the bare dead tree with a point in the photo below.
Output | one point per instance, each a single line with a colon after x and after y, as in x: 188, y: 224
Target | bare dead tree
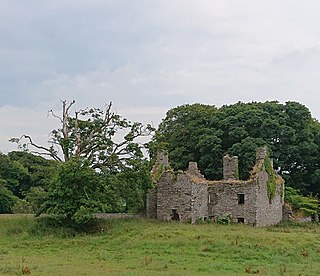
x: 90, y: 134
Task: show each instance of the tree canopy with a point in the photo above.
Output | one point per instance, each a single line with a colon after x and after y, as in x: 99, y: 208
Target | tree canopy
x: 100, y: 136
x: 20, y: 172
x: 97, y: 165
x: 204, y: 133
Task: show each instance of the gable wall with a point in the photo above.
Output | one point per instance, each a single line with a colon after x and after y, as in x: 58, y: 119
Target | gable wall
x: 174, y: 192
x: 268, y: 213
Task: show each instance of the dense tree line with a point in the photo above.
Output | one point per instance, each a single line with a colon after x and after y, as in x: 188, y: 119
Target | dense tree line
x: 20, y: 174
x: 205, y: 133
x: 33, y: 184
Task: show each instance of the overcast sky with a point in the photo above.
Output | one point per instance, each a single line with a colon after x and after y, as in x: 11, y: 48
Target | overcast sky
x: 149, y: 56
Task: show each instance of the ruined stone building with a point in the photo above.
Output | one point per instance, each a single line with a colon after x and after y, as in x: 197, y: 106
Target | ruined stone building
x: 188, y: 196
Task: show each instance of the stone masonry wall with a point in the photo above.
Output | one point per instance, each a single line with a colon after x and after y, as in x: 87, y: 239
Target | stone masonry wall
x: 199, y: 201
x: 162, y: 158
x: 152, y: 204
x: 174, y: 192
x: 230, y: 167
x: 268, y: 212
x: 191, y: 196
x: 223, y: 200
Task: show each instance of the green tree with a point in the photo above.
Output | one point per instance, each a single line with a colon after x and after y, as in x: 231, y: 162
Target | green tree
x: 21, y: 172
x: 40, y: 170
x: 103, y: 146
x: 133, y: 184
x: 188, y: 134
x: 74, y: 194
x: 16, y: 176
x: 36, y: 197
x: 90, y: 134
x: 205, y: 133
x: 7, y: 199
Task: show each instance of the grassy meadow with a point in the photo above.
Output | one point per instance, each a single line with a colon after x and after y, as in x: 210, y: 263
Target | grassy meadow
x: 146, y: 247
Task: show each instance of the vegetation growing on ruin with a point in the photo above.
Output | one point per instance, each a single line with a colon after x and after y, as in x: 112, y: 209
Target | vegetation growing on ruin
x: 272, y: 178
x: 175, y: 174
x: 156, y: 173
x: 237, y: 171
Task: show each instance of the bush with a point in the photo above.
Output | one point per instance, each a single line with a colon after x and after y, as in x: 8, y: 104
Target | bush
x: 22, y: 207
x: 224, y: 219
x: 307, y: 204
x: 73, y: 195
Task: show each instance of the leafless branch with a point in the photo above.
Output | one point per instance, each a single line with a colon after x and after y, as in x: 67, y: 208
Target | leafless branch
x: 48, y: 151
x: 54, y: 115
x: 108, y: 114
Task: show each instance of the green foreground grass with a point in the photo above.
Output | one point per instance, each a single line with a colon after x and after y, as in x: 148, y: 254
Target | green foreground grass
x: 145, y: 247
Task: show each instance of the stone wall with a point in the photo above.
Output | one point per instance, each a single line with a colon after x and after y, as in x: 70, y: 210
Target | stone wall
x: 174, y: 192
x: 189, y: 196
x: 257, y: 208
x: 152, y: 204
x: 224, y: 200
x: 193, y: 169
x: 269, y: 212
x: 261, y: 154
x: 184, y: 192
x: 199, y: 201
x: 116, y: 215
x: 230, y: 167
x: 162, y: 158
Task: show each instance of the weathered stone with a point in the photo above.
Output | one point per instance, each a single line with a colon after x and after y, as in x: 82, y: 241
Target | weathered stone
x: 162, y: 158
x: 193, y: 169
x: 261, y: 155
x: 230, y: 167
x: 180, y: 193
x: 188, y: 196
x: 152, y: 204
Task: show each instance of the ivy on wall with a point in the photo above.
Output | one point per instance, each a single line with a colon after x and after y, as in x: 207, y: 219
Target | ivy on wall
x: 272, y: 178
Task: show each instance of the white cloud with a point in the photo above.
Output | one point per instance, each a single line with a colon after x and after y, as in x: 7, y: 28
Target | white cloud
x: 148, y: 56
x: 16, y: 121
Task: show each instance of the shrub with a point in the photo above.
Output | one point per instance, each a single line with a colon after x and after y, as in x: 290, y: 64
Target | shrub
x: 73, y: 195
x: 307, y: 204
x: 224, y: 219
x: 22, y: 207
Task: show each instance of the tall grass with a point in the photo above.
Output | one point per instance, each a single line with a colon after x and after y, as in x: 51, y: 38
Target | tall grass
x: 146, y: 247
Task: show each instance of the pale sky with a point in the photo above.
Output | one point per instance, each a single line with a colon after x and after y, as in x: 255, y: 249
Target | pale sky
x: 148, y: 56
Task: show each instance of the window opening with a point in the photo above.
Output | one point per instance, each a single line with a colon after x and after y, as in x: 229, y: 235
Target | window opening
x: 240, y: 198
x: 240, y: 220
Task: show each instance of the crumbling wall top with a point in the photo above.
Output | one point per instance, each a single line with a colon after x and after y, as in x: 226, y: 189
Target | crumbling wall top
x: 261, y: 154
x: 162, y: 162
x: 230, y: 168
x: 193, y: 169
x: 162, y: 158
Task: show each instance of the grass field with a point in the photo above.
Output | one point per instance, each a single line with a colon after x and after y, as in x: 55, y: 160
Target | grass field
x: 144, y: 247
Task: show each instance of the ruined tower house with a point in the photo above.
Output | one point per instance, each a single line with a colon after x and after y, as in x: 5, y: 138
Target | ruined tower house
x: 188, y: 196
